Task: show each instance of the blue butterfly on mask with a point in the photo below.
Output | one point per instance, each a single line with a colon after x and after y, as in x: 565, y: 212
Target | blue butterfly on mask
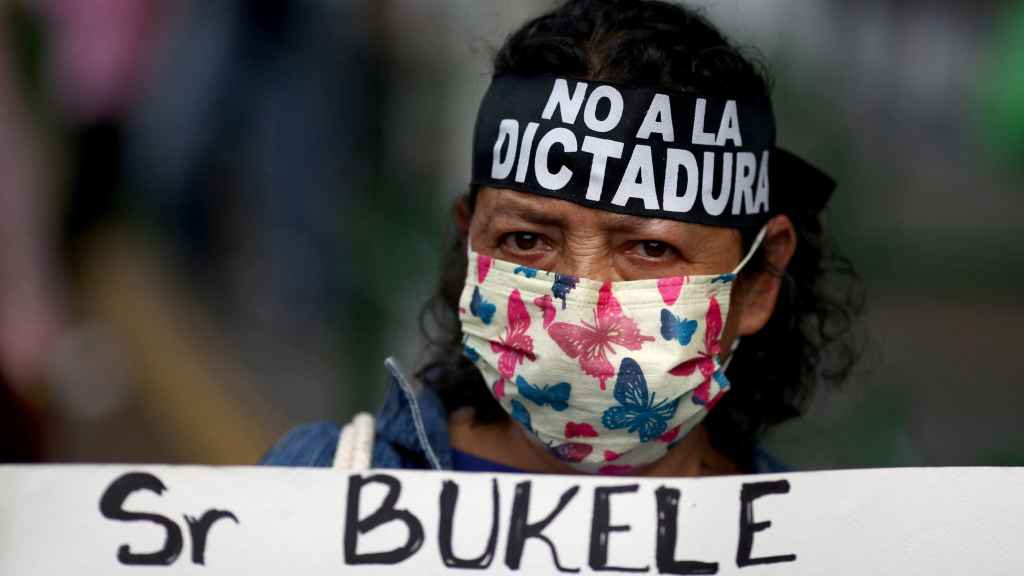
x: 675, y: 328
x: 562, y: 285
x: 637, y: 410
x: 526, y: 271
x: 481, y: 308
x: 554, y: 395
x: 522, y: 415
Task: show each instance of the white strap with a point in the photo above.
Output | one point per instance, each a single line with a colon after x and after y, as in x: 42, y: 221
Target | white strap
x: 732, y: 352
x: 355, y: 446
x: 753, y: 249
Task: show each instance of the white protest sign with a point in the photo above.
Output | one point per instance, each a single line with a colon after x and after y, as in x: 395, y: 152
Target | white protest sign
x: 94, y: 520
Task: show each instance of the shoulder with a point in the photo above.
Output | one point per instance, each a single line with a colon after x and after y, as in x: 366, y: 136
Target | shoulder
x: 309, y: 445
x: 765, y: 462
x: 409, y: 431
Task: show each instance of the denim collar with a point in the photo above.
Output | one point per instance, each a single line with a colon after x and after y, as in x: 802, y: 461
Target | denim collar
x: 412, y: 425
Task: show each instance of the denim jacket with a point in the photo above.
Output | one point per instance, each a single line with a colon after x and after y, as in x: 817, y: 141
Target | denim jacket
x: 411, y: 433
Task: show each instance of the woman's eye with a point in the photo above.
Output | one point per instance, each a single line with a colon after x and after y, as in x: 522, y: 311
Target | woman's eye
x: 522, y: 241
x: 654, y: 249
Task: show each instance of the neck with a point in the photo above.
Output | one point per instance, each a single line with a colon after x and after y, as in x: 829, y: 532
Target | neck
x: 508, y: 444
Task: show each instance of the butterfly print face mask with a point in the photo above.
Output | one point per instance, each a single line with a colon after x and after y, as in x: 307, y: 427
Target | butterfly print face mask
x: 606, y: 375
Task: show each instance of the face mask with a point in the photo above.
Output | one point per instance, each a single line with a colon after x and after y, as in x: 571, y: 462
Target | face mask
x: 606, y: 375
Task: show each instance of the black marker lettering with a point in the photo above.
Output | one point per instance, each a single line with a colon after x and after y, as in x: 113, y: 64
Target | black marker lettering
x: 601, y: 527
x: 112, y: 507
x: 748, y: 527
x: 449, y: 496
x: 198, y: 529
x: 356, y: 526
x: 520, y: 530
x: 668, y: 519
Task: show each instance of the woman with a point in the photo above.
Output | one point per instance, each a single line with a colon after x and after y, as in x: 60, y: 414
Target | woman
x: 623, y: 232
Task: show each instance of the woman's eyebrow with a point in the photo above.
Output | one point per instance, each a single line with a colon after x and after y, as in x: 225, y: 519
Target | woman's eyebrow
x: 626, y: 223
x: 527, y: 214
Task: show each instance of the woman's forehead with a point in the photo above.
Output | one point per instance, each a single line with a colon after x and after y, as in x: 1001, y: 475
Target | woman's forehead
x: 496, y: 204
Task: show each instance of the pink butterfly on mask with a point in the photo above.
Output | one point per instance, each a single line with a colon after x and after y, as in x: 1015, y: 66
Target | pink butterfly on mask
x: 516, y: 345
x: 591, y: 343
x: 547, y: 306
x: 706, y: 362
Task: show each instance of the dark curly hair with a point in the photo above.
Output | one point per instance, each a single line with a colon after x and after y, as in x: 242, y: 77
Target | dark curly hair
x: 809, y: 338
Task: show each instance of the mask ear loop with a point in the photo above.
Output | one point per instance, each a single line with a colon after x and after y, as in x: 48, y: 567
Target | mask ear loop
x: 750, y: 254
x: 732, y: 353
x: 753, y: 249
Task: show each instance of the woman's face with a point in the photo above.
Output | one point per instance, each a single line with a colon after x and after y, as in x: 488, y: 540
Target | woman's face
x: 567, y: 238
x: 560, y: 236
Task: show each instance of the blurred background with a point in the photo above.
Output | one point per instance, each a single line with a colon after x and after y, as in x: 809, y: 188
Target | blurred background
x: 217, y: 218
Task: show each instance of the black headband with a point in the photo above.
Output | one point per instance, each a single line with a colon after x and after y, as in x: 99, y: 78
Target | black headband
x: 643, y: 151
